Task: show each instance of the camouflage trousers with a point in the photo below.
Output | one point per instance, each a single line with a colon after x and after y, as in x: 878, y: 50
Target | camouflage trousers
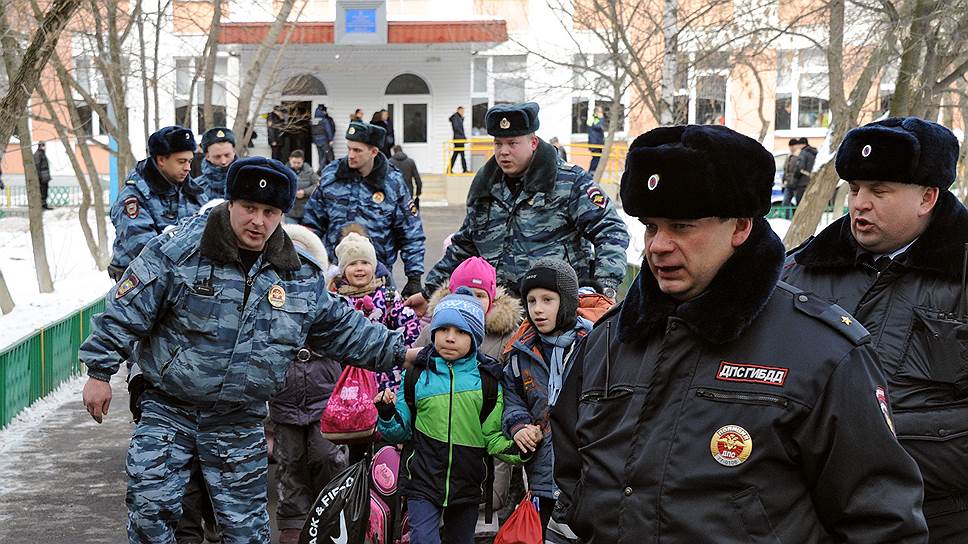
x: 234, y: 462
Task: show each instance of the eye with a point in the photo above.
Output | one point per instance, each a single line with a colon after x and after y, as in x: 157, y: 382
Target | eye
x: 651, y: 228
x: 681, y: 226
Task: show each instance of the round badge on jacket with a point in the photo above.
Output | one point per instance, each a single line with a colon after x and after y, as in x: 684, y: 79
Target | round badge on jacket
x: 378, y: 197
x: 731, y: 445
x: 277, y: 296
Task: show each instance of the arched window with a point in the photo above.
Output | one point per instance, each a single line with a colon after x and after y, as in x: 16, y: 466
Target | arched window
x: 407, y: 84
x: 304, y: 84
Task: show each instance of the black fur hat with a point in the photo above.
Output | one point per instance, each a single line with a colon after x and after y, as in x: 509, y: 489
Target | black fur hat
x: 217, y: 135
x: 900, y: 149
x: 509, y: 120
x: 693, y: 171
x: 262, y: 180
x: 358, y: 131
x: 168, y: 140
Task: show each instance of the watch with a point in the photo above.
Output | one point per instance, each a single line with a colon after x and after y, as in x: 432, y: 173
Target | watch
x: 609, y: 292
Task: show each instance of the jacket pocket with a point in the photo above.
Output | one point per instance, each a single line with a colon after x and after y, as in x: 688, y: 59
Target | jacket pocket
x: 741, y: 397
x: 937, y: 439
x: 937, y: 349
x: 755, y: 520
x: 198, y: 314
x: 287, y: 322
x: 149, y: 452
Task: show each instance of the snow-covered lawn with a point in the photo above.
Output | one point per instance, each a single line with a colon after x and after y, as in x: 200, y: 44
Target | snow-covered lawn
x: 77, y: 281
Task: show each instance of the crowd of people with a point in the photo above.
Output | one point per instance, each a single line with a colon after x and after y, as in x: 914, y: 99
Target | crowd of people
x: 715, y: 399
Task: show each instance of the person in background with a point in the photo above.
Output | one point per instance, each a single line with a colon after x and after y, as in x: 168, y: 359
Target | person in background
x: 308, y: 182
x: 562, y: 154
x: 791, y: 171
x: 218, y: 145
x: 43, y: 173
x: 596, y: 137
x: 457, y: 126
x: 411, y: 176
x: 382, y: 119
x: 323, y: 130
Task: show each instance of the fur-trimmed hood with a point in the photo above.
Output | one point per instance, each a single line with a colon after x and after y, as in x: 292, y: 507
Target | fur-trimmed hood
x: 737, y: 294
x: 311, y: 243
x: 540, y: 176
x: 939, y: 249
x: 219, y: 243
x: 503, y: 319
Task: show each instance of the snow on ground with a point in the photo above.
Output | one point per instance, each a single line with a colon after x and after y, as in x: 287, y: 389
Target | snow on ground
x: 77, y: 281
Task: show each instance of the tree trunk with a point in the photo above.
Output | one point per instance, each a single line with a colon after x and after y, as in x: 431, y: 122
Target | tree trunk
x: 209, y: 84
x: 670, y: 59
x: 6, y: 301
x: 255, y: 70
x: 142, y: 64
x: 35, y: 210
x: 906, y: 86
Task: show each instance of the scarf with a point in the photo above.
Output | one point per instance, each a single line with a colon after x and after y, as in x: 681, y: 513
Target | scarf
x: 556, y: 364
x: 347, y: 290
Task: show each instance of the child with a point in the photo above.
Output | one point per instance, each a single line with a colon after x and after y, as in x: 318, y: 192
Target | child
x: 536, y: 369
x: 362, y: 282
x: 447, y: 429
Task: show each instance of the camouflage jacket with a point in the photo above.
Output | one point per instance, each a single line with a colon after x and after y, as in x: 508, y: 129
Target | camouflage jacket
x: 212, y: 179
x: 559, y: 212
x: 146, y: 205
x: 380, y: 202
x: 212, y: 336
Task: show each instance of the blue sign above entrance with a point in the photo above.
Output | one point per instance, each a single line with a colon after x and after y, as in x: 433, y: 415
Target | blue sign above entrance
x: 361, y: 21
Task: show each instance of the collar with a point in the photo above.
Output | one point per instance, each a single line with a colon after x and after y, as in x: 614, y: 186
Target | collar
x: 219, y: 243
x: 540, y: 176
x: 210, y: 169
x: 159, y: 184
x: 738, y: 293
x: 375, y: 180
x: 939, y: 249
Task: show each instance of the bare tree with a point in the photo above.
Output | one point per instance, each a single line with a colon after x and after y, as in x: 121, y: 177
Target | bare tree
x: 211, y: 46
x: 6, y: 301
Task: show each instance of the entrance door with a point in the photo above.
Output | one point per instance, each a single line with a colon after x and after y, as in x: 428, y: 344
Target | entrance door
x: 411, y: 127
x: 297, y: 134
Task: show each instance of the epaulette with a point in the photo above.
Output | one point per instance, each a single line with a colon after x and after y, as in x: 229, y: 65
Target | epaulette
x: 567, y: 166
x: 832, y: 315
x: 130, y: 181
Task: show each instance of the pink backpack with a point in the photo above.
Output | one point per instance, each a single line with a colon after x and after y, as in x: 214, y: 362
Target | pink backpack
x: 383, y: 481
x: 350, y: 416
x: 378, y: 531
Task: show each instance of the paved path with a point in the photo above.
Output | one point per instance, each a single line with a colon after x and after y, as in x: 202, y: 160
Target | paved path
x: 62, y: 478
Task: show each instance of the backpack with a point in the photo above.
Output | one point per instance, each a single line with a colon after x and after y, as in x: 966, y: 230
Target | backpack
x: 350, y: 415
x: 489, y: 390
x: 384, y: 501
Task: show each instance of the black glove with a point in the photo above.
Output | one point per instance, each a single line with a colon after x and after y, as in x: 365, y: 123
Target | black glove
x: 386, y: 410
x: 412, y: 288
x: 115, y: 272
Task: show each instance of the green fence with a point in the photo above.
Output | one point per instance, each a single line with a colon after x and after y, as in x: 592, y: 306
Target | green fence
x: 39, y: 363
x: 15, y: 196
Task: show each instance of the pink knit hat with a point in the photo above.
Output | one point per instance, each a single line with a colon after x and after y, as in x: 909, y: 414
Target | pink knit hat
x: 477, y: 273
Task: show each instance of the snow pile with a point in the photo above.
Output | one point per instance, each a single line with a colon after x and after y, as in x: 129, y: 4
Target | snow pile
x: 77, y: 281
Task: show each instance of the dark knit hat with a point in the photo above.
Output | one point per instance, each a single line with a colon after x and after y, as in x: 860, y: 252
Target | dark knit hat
x: 899, y: 149
x: 694, y: 171
x: 217, y: 135
x: 509, y: 120
x: 794, y: 141
x: 374, y: 135
x: 463, y: 311
x: 262, y: 180
x: 168, y: 140
x: 554, y: 275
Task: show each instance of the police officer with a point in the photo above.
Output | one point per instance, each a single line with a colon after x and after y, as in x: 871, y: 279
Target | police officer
x: 716, y: 404
x: 897, y: 262
x: 525, y: 203
x: 156, y: 194
x: 365, y: 188
x: 213, y: 311
x: 218, y: 145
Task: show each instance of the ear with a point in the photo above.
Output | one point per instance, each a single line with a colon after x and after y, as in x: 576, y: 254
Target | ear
x: 741, y: 231
x: 929, y: 197
x: 534, y: 142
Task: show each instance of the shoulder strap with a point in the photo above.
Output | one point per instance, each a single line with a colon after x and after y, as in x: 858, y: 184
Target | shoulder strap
x: 410, y: 392
x: 489, y: 390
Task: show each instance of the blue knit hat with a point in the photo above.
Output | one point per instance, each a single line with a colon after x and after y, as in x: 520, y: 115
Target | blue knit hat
x: 463, y: 311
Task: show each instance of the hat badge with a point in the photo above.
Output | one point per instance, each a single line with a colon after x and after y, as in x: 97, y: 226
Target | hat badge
x: 262, y: 184
x: 653, y: 182
x: 866, y: 152
x: 220, y: 134
x: 188, y: 135
x: 505, y: 124
x: 352, y: 130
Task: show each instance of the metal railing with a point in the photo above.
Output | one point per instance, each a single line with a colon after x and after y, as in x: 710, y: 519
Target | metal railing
x: 15, y: 196
x: 37, y: 364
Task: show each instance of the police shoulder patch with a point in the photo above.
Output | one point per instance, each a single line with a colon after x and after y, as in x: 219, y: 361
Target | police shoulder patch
x: 596, y: 196
x: 412, y: 206
x: 126, y: 285
x: 132, y: 207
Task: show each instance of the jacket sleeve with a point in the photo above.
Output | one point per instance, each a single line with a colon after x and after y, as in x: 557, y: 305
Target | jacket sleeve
x: 806, y: 164
x: 132, y: 233
x: 416, y: 178
x: 564, y: 438
x: 516, y: 413
x: 409, y: 234
x: 461, y: 247
x: 397, y: 429
x: 130, y: 313
x: 498, y: 444
x: 344, y: 334
x: 599, y: 222
x: 865, y: 487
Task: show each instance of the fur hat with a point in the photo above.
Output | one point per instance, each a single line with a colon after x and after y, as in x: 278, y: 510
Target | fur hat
x: 900, y: 149
x: 354, y: 247
x: 217, y: 135
x: 306, y: 239
x: 374, y: 135
x: 558, y: 276
x: 262, y: 180
x: 463, y: 311
x: 477, y: 273
x: 509, y: 120
x: 694, y: 171
x: 168, y: 140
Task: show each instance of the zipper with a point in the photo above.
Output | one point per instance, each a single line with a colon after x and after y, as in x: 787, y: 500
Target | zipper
x: 248, y: 288
x: 410, y: 474
x: 608, y: 351
x: 745, y: 398
x: 450, y: 426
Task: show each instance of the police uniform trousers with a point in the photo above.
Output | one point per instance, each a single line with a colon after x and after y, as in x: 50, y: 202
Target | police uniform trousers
x: 232, y: 451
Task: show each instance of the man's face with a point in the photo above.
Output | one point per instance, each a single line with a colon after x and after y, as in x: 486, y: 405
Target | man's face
x: 460, y: 111
x: 685, y: 255
x: 360, y: 154
x: 176, y: 166
x: 220, y: 154
x: 795, y: 149
x: 885, y: 216
x: 253, y: 223
x: 296, y: 163
x: 513, y: 155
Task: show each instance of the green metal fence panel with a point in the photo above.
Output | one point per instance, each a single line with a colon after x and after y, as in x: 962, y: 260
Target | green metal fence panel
x: 17, y: 379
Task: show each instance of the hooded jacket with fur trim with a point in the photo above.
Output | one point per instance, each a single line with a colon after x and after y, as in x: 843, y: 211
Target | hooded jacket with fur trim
x: 499, y: 323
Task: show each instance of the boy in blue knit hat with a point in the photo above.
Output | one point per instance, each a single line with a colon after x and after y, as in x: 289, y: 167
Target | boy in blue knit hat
x: 449, y: 420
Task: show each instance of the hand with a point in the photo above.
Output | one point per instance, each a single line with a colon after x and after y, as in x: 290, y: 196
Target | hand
x: 528, y: 438
x: 418, y: 303
x: 300, y: 193
x: 387, y: 396
x: 413, y: 286
x: 97, y: 398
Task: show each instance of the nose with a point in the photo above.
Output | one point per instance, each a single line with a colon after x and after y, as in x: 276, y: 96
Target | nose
x: 660, y: 242
x: 861, y: 201
x: 257, y: 219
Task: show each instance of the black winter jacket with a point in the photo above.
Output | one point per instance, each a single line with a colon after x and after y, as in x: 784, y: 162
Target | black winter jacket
x: 750, y: 414
x: 916, y: 298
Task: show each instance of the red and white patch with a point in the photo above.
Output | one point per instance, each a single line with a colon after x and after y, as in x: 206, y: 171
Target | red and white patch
x: 131, y: 207
x: 126, y: 285
x: 412, y: 206
x: 881, y: 395
x: 731, y: 445
x: 597, y: 197
x: 738, y: 372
